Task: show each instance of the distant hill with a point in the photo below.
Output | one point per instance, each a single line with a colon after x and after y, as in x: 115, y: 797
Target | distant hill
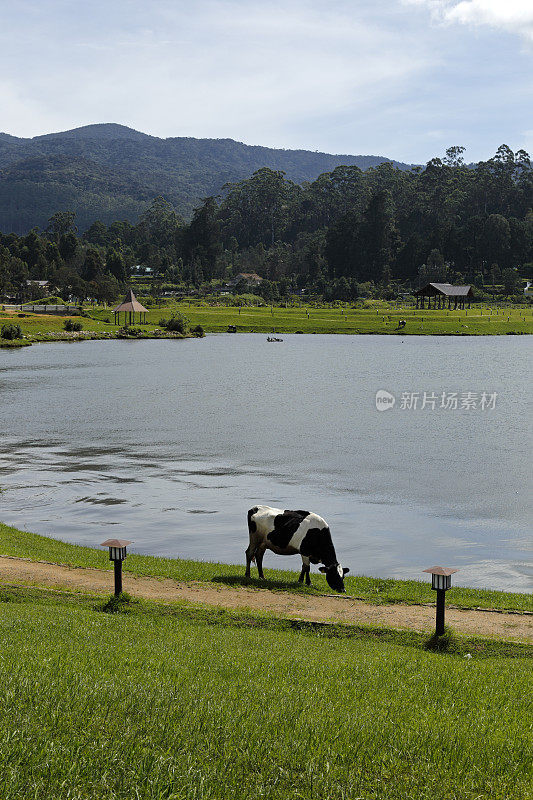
x: 111, y: 172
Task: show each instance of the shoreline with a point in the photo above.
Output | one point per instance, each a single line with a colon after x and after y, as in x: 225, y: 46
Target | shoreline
x: 106, y: 337
x: 378, y: 320
x: 33, y: 547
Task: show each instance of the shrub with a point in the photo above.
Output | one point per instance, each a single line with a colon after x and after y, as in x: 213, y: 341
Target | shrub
x: 198, y: 331
x: 11, y: 332
x: 129, y: 331
x: 177, y: 324
x: 72, y: 325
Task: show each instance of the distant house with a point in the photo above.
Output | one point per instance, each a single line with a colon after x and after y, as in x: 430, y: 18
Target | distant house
x: 528, y: 291
x: 38, y: 284
x: 250, y: 279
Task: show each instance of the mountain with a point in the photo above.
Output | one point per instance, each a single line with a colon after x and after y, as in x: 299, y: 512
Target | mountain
x: 110, y: 172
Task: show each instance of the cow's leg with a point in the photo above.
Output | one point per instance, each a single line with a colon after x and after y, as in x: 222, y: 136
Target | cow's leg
x: 305, y: 573
x: 250, y: 552
x: 259, y: 553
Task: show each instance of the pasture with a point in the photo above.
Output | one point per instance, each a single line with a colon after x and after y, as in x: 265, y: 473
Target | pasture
x: 379, y: 318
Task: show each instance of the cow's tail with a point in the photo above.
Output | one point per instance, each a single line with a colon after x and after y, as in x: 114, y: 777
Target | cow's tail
x: 252, y: 527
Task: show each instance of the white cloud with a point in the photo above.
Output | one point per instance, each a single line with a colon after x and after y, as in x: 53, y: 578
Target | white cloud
x: 515, y: 16
x: 224, y: 68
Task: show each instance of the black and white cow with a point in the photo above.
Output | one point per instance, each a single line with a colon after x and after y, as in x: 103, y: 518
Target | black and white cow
x: 288, y: 533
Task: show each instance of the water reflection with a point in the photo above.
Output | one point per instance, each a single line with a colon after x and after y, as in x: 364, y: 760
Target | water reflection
x: 212, y: 426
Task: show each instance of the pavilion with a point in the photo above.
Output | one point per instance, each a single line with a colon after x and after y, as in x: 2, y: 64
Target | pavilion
x: 442, y: 292
x: 129, y: 306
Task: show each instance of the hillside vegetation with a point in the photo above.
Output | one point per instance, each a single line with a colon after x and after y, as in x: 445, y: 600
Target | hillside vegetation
x: 110, y: 172
x: 349, y: 234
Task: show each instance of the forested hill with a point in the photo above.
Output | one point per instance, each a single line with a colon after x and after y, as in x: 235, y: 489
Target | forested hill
x: 111, y: 172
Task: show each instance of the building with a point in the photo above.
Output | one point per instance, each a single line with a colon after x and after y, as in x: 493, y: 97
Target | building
x: 443, y: 293
x: 250, y: 279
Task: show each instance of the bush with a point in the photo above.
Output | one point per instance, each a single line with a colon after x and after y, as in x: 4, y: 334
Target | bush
x: 72, y: 325
x: 198, y: 331
x: 176, y: 324
x: 129, y: 331
x: 11, y: 332
x: 50, y: 300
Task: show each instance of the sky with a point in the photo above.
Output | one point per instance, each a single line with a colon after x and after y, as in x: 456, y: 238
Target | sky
x: 398, y: 78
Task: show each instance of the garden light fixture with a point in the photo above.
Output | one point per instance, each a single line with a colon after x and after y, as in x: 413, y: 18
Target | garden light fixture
x: 117, y: 554
x: 441, y: 581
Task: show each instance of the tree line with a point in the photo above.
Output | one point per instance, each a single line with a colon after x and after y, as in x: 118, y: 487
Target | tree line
x: 348, y: 230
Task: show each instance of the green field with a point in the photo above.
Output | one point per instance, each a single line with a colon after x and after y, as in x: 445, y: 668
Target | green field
x: 182, y: 702
x: 161, y: 705
x: 380, y: 318
x: 22, y: 544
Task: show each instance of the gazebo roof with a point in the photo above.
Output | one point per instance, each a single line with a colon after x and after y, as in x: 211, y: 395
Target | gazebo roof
x: 130, y: 303
x: 446, y: 289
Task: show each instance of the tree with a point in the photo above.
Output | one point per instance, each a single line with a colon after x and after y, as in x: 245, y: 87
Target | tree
x: 97, y: 234
x: 202, y: 240
x: 510, y: 280
x: 104, y: 288
x: 115, y: 264
x: 93, y: 265
x: 257, y: 210
x: 342, y: 248
x: 497, y: 239
x: 454, y: 156
x: 60, y: 223
x: 68, y: 246
x: 378, y: 235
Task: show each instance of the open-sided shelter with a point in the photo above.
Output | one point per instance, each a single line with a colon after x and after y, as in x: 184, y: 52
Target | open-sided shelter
x: 130, y: 305
x: 443, y: 293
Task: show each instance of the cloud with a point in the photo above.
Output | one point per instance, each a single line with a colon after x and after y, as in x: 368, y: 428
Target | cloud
x: 515, y: 16
x: 221, y: 68
x: 333, y: 75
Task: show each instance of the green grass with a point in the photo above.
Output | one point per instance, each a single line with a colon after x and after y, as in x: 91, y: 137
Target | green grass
x: 167, y: 705
x: 14, y: 542
x: 44, y: 326
x: 379, y: 318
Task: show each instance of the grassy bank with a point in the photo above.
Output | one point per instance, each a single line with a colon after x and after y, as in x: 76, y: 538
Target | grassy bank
x: 378, y: 319
x: 153, y: 705
x: 14, y: 542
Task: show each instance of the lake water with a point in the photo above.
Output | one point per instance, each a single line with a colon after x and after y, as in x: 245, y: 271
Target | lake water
x: 168, y: 443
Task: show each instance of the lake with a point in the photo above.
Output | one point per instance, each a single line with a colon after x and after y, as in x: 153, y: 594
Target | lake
x: 168, y: 443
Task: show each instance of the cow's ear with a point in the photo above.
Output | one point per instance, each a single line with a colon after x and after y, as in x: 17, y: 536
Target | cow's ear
x: 322, y: 569
x: 345, y: 569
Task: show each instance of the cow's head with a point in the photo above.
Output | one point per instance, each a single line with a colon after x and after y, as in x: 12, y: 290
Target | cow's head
x: 335, y: 576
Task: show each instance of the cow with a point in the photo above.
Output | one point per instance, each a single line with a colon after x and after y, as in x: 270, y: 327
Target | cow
x: 288, y: 533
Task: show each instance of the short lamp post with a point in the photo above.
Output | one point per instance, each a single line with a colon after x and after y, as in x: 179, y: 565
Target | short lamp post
x: 117, y: 554
x: 441, y: 581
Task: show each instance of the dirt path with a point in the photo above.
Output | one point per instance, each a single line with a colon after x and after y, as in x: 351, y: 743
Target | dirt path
x: 515, y: 627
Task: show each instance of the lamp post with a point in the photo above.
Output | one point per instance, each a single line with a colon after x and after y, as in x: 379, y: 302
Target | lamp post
x: 441, y: 581
x: 117, y: 554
